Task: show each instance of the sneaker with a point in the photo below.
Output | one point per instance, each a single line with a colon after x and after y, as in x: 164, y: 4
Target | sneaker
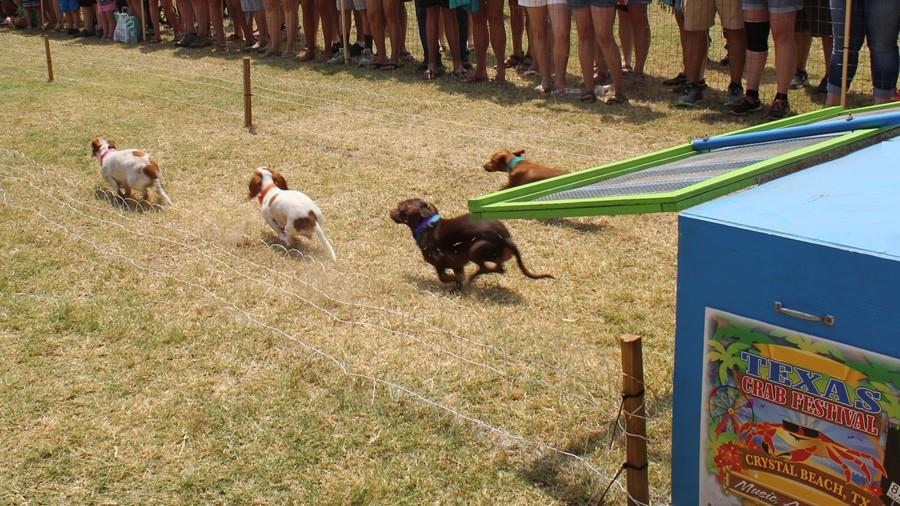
x: 335, y: 46
x: 780, y: 109
x: 201, y: 41
x: 676, y: 81
x: 367, y: 58
x: 356, y: 49
x: 735, y: 92
x: 187, y: 40
x: 801, y: 79
x: 745, y: 106
x: 692, y: 95
x: 681, y: 88
x: 338, y: 58
x: 822, y: 88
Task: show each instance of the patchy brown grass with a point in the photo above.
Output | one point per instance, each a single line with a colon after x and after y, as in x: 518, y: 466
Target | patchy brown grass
x: 173, y: 356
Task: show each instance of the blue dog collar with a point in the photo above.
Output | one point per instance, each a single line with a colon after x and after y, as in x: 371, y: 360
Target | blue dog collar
x: 515, y: 161
x: 424, y: 225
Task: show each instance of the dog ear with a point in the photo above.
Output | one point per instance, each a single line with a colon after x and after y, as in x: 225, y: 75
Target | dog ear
x: 95, y: 146
x: 111, y: 143
x: 280, y: 181
x: 519, y: 152
x: 431, y: 207
x: 254, y: 186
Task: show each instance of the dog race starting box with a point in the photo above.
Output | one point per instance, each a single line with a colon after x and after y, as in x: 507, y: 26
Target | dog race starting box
x: 787, y: 356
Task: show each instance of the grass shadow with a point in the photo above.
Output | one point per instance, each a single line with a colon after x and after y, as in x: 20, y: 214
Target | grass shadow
x: 551, y: 473
x: 127, y: 204
x: 578, y: 226
x: 480, y: 290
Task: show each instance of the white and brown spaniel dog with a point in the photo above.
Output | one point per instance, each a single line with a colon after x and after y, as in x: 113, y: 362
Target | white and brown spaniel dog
x: 290, y: 213
x: 128, y: 169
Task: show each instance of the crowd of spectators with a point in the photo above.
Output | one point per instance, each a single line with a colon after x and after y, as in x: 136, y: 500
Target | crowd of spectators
x: 540, y: 33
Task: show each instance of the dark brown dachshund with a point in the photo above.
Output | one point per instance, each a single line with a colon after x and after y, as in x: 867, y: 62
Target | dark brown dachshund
x: 520, y: 170
x: 452, y: 243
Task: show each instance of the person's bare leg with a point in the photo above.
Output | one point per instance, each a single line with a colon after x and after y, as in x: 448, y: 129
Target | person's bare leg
x: 587, y: 41
x: 262, y: 27
x: 737, y: 54
x: 516, y: 27
x: 695, y: 54
x: 537, y: 22
x: 185, y: 16
x: 561, y: 22
x: 640, y: 30
x: 785, y: 48
x: 497, y: 34
x: 626, y: 37
x: 309, y: 29
x: 803, y: 40
x: 391, y: 15
x: 479, y: 30
x: 375, y: 9
x: 604, y: 17
x: 451, y: 28
x: 404, y: 26
x: 171, y: 17
x: 291, y: 21
x: 201, y: 12
x: 682, y: 36
x: 154, y: 21
x: 273, y: 20
x: 432, y: 34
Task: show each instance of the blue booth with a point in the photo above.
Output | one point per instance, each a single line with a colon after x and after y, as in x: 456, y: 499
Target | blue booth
x: 787, y: 356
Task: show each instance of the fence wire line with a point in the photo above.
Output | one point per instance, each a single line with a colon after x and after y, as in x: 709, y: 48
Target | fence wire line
x: 339, y: 107
x: 512, y: 359
x: 333, y: 316
x: 340, y: 364
x: 544, y: 118
x: 371, y: 110
x: 414, y: 337
x: 78, y: 80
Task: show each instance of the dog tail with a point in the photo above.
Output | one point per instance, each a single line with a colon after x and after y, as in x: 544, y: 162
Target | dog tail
x: 162, y: 192
x: 321, y: 234
x: 512, y: 246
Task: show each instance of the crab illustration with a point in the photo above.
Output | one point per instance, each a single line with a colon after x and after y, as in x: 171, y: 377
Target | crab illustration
x: 807, y: 443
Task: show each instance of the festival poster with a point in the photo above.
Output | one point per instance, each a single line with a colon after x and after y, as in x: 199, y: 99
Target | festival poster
x: 793, y: 419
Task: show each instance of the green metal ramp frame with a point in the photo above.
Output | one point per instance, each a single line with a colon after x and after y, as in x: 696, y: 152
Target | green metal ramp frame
x: 519, y: 202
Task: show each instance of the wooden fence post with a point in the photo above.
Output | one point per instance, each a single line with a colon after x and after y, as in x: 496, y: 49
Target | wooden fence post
x: 248, y: 113
x: 637, y: 481
x: 49, y: 58
x: 848, y: 16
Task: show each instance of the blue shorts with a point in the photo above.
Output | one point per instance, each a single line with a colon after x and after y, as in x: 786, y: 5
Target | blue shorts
x: 773, y: 6
x: 68, y: 5
x: 580, y: 4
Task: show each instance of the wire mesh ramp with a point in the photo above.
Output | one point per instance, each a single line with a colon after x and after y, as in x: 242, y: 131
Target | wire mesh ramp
x: 686, y: 175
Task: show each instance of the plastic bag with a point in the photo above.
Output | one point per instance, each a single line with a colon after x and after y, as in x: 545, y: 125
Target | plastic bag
x: 128, y: 29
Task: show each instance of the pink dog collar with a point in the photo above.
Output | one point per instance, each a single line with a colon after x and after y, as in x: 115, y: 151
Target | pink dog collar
x: 104, y: 153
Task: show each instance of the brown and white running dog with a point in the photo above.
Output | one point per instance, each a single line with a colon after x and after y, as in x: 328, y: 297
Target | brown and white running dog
x: 290, y: 213
x: 520, y: 171
x: 128, y: 169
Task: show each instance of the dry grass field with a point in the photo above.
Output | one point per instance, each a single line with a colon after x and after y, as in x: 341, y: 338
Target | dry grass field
x: 181, y: 356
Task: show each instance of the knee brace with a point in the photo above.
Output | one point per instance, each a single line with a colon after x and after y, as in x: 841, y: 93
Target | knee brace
x: 757, y: 35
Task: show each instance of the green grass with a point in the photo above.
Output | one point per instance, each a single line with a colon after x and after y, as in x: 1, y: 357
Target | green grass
x: 131, y: 374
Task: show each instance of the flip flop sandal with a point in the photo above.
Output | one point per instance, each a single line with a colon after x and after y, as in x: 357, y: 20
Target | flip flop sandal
x: 588, y: 97
x: 615, y: 99
x: 512, y: 61
x: 406, y: 56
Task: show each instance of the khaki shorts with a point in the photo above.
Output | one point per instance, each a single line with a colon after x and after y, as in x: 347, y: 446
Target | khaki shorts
x: 700, y: 15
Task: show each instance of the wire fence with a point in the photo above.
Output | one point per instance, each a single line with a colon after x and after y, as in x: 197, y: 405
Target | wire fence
x: 77, y: 219
x: 219, y: 267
